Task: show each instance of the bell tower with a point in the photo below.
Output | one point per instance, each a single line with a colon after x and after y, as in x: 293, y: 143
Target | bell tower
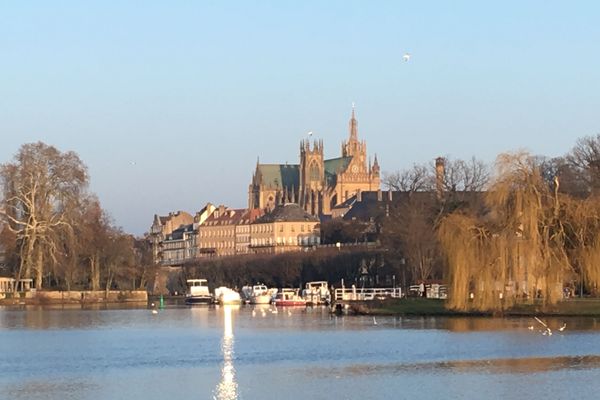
x: 311, y: 174
x: 355, y: 148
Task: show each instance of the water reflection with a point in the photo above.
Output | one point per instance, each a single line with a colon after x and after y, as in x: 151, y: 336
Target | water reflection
x: 528, y: 365
x: 227, y: 388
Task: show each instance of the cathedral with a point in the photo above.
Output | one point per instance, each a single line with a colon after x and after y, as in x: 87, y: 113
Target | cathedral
x: 316, y: 184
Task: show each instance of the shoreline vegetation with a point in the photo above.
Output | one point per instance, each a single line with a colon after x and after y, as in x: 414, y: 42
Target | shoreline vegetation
x: 579, y: 307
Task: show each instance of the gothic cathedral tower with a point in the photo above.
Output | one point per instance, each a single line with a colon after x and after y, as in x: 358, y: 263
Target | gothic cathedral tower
x: 312, y: 176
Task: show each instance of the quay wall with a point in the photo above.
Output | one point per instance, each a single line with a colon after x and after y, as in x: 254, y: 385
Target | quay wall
x: 78, y: 297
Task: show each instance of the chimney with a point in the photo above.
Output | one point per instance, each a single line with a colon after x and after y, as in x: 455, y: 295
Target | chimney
x: 379, y: 195
x: 359, y: 196
x: 439, y: 176
x: 390, y: 195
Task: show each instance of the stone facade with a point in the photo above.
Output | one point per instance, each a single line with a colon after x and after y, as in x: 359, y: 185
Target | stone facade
x: 217, y: 235
x: 161, y: 232
x: 287, y: 228
x: 316, y: 184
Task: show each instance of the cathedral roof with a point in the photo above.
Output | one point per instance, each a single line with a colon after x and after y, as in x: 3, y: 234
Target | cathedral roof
x: 279, y: 175
x: 289, y: 212
x: 334, y: 166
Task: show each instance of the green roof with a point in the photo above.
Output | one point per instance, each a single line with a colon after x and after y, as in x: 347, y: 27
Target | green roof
x: 335, y: 166
x: 280, y: 176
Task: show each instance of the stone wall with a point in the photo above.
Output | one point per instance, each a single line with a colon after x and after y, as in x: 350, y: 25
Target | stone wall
x: 89, y: 296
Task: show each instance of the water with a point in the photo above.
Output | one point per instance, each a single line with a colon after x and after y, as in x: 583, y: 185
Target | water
x: 253, y: 353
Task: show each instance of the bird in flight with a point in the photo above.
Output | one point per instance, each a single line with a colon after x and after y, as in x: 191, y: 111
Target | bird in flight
x: 406, y: 57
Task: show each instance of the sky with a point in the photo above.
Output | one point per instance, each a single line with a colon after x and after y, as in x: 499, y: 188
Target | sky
x: 169, y: 104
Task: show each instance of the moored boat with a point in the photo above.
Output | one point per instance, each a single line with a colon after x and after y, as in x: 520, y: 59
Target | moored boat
x: 317, y: 293
x: 224, y: 295
x: 197, y: 292
x: 258, y: 294
x: 288, y: 298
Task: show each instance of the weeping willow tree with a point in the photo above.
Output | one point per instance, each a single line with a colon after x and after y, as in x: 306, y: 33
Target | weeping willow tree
x: 583, y: 225
x: 513, y: 251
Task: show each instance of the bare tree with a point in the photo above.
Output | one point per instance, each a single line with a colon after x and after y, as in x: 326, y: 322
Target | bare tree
x: 415, y: 179
x: 38, y: 184
x: 584, y: 158
x: 472, y: 175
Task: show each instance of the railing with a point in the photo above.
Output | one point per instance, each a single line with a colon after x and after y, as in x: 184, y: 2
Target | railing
x: 366, y: 293
x: 431, y: 291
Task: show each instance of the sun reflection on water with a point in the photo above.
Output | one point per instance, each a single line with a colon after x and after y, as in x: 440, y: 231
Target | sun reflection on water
x: 227, y: 388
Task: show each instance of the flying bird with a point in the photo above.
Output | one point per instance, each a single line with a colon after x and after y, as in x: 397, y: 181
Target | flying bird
x: 406, y: 57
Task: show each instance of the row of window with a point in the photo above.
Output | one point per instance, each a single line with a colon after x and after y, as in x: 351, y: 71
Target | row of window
x: 290, y: 240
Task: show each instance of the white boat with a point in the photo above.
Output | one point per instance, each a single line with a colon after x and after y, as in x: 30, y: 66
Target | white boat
x: 258, y: 294
x: 197, y: 292
x: 317, y: 293
x: 224, y: 295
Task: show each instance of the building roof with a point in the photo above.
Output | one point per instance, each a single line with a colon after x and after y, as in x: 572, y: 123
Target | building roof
x: 279, y: 176
x: 334, y: 166
x: 225, y: 216
x: 374, y: 204
x: 289, y: 212
x: 178, y: 233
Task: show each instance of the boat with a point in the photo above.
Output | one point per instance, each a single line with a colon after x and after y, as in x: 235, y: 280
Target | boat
x: 224, y: 295
x: 316, y: 293
x: 258, y: 294
x: 289, y: 297
x: 197, y: 292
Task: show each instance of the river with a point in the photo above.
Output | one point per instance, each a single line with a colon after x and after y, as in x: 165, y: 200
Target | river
x: 254, y: 353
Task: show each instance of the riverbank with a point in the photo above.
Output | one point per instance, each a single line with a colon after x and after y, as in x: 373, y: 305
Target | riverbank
x: 435, y: 307
x: 76, y: 297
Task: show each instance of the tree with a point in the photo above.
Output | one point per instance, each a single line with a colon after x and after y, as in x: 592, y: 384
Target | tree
x: 585, y: 159
x: 517, y: 249
x: 39, y: 184
x: 466, y: 176
x: 418, y: 178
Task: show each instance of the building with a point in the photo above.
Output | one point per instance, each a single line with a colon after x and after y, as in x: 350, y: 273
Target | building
x: 288, y: 227
x: 316, y: 184
x: 242, y: 231
x: 178, y: 246
x: 162, y: 228
x: 174, y: 237
x: 217, y: 235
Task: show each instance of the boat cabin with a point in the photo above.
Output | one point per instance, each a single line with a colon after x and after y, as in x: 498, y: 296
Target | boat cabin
x: 198, y: 287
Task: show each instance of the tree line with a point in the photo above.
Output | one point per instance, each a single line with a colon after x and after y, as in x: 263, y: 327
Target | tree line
x: 55, y: 231
x: 524, y: 229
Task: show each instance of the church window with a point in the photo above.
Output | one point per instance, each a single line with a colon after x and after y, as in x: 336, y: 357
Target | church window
x: 314, y: 171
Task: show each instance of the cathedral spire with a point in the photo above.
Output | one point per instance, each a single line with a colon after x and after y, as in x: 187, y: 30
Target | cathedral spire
x: 353, y: 126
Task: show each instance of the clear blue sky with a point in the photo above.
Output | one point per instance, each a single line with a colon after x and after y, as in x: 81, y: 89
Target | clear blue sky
x: 193, y: 92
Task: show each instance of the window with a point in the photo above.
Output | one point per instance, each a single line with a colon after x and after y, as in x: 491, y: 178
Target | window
x: 314, y: 171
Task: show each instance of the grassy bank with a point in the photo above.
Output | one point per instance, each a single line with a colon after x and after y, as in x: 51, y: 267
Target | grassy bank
x: 434, y: 307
